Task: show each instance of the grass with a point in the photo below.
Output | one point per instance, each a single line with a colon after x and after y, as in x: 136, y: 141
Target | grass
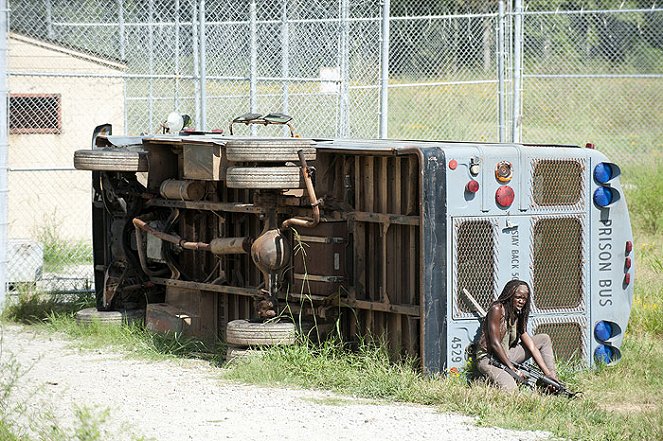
x: 622, y: 402
x: 614, y: 404
x: 645, y: 198
x: 133, y: 339
x: 29, y: 306
x: 618, y: 403
x: 59, y: 252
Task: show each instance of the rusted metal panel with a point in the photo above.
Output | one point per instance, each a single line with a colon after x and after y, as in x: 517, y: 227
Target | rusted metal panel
x: 191, y: 313
x: 196, y: 308
x: 162, y: 317
x: 319, y: 258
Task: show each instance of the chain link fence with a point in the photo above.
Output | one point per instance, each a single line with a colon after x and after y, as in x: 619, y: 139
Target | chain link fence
x: 480, y: 71
x: 595, y: 76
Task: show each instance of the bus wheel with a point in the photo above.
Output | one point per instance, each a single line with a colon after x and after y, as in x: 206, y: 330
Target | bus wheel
x: 277, y: 178
x: 92, y: 315
x: 268, y: 150
x: 246, y: 333
x: 122, y: 160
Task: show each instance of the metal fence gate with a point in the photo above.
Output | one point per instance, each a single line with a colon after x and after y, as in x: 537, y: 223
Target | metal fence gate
x: 498, y: 71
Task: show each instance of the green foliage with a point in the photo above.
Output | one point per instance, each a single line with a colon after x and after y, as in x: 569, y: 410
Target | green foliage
x: 89, y: 426
x: 56, y: 312
x: 647, y: 312
x: 132, y: 338
x: 29, y: 305
x: 644, y: 194
x: 613, y: 406
x: 368, y: 371
x: 59, y: 252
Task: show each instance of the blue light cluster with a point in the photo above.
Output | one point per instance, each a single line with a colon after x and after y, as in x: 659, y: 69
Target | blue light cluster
x: 603, y: 354
x: 605, y: 195
x: 603, y: 331
x: 603, y: 173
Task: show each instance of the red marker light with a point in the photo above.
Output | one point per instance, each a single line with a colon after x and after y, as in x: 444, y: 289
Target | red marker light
x: 629, y: 246
x: 590, y: 145
x: 472, y: 186
x: 627, y: 278
x: 628, y: 263
x: 504, y: 196
x: 453, y: 164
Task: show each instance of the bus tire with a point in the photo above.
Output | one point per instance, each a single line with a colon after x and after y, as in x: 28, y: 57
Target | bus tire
x: 92, y: 315
x: 246, y: 333
x: 277, y: 178
x: 269, y: 150
x: 121, y: 160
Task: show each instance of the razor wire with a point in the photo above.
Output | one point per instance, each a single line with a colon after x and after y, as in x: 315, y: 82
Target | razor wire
x: 588, y: 75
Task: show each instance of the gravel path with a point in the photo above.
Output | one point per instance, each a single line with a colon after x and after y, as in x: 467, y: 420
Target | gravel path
x: 187, y: 400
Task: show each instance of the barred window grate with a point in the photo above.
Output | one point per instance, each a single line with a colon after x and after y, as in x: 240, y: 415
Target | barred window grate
x: 567, y: 339
x: 557, y: 182
x: 34, y: 114
x: 475, y: 264
x: 557, y: 257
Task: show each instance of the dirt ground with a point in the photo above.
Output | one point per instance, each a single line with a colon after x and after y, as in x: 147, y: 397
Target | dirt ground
x: 188, y: 400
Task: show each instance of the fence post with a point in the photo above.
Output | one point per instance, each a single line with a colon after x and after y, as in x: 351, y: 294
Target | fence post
x: 384, y: 67
x: 203, y: 68
x: 344, y: 105
x: 123, y: 54
x: 4, y: 147
x: 517, y: 71
x: 150, y: 66
x: 285, y: 54
x: 176, y: 100
x: 501, y: 49
x: 196, y: 62
x: 253, y: 61
x: 121, y: 33
x: 48, y: 6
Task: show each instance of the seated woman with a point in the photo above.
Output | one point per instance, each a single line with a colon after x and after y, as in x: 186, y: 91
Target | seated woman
x: 504, y: 336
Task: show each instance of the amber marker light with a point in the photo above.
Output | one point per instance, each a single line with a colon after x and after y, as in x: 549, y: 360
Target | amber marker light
x: 503, y: 171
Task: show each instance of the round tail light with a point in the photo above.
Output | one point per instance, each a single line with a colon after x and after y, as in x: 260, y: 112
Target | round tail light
x: 504, y: 196
x: 472, y: 186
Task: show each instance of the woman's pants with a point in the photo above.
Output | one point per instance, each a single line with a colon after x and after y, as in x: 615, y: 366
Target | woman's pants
x: 518, y: 354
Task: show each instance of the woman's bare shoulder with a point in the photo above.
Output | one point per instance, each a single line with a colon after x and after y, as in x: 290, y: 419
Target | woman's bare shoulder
x: 496, y: 310
x: 498, y: 307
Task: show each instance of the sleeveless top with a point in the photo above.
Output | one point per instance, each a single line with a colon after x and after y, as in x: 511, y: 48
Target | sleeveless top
x: 508, y: 337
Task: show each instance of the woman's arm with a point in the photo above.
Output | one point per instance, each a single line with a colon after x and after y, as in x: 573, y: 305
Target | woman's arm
x: 536, y: 354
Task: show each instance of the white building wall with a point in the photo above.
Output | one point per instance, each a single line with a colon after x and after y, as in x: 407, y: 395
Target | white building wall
x: 58, y: 200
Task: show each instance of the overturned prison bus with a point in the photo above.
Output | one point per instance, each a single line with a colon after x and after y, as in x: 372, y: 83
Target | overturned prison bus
x: 400, y: 240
